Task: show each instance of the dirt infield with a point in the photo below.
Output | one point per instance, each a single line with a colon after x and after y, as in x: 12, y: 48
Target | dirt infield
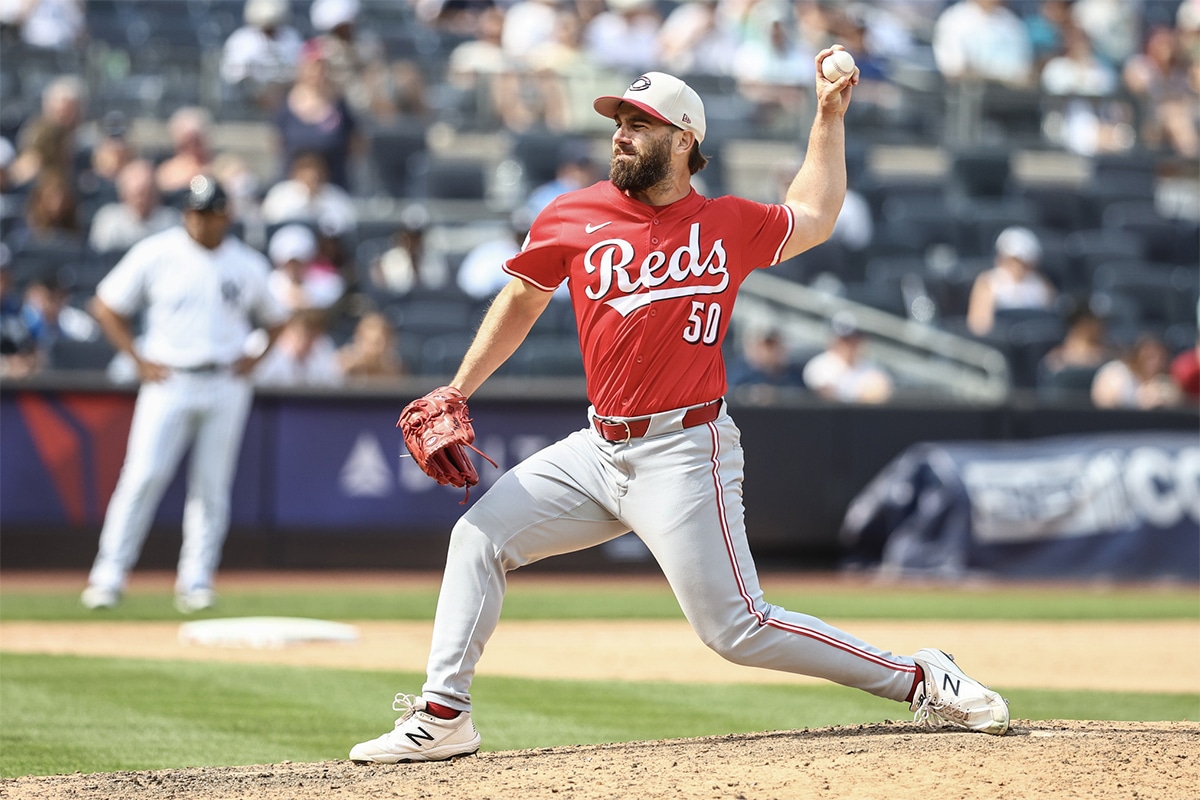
x: 894, y: 760
x: 897, y: 761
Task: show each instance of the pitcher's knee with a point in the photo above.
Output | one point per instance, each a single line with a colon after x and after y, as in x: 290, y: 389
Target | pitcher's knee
x: 498, y: 547
x: 736, y: 648
x: 469, y: 541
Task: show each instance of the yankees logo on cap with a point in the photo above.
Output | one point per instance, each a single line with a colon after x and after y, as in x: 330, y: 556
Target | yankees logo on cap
x: 205, y: 194
x: 662, y: 96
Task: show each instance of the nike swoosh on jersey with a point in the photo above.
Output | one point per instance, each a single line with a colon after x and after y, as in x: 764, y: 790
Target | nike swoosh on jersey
x: 590, y: 228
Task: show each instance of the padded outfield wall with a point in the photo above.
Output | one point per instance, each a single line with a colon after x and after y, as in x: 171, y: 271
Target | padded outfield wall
x: 321, y: 481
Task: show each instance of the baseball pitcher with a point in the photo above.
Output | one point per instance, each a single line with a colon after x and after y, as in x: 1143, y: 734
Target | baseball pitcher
x: 653, y: 269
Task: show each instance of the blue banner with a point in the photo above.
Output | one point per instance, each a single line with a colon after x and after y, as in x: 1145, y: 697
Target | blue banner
x: 331, y: 465
x: 1123, y: 506
x: 62, y: 452
x: 305, y: 464
x: 339, y: 467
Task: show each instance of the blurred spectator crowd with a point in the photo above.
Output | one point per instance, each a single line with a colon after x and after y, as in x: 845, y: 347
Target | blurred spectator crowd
x: 388, y: 155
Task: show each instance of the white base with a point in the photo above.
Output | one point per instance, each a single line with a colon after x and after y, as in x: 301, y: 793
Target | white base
x: 264, y: 632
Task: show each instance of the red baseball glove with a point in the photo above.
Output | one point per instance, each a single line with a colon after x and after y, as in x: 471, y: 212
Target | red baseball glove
x: 437, y: 429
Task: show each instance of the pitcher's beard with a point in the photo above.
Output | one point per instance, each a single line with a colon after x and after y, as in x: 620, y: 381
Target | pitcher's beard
x: 644, y: 170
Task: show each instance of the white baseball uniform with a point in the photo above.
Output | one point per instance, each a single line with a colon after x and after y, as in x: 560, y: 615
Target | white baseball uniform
x: 199, y: 306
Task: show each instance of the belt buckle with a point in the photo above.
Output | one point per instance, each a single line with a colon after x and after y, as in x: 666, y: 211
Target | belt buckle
x: 628, y: 430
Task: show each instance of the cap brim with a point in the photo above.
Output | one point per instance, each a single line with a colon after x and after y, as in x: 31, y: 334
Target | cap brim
x: 607, y: 107
x: 208, y: 208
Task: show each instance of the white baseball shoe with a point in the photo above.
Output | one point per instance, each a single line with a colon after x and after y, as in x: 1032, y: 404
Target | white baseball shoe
x: 95, y: 598
x: 195, y: 600
x: 949, y: 696
x: 419, y: 736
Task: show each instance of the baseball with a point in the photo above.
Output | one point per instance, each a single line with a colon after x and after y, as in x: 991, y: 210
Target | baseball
x: 837, y: 64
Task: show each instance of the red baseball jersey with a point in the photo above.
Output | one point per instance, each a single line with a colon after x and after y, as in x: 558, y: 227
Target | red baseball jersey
x: 653, y: 287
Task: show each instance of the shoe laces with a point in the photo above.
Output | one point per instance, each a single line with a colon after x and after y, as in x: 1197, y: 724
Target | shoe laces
x: 406, y: 705
x: 927, y: 707
x: 926, y: 711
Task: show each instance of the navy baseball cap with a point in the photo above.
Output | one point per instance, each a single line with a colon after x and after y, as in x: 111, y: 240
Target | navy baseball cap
x: 205, y: 194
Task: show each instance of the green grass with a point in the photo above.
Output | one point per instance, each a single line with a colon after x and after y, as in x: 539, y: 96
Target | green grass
x: 63, y: 714
x: 541, y: 602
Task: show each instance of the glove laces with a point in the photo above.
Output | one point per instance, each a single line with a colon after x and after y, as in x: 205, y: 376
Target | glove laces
x: 467, y: 498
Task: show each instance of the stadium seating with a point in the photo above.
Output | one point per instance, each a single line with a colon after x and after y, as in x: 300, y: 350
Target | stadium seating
x: 1155, y: 295
x: 442, y: 353
x: 1088, y: 249
x: 393, y: 152
x: 981, y: 173
x: 1106, y: 234
x: 433, y: 311
x: 1067, y: 385
x: 1026, y: 341
x: 435, y: 178
x: 80, y: 355
x: 1167, y: 240
x: 1056, y: 206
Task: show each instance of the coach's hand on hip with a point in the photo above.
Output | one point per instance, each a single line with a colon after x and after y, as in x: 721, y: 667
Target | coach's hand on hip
x: 151, y: 371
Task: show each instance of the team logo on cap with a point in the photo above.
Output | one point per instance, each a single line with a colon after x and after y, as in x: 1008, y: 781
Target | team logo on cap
x: 641, y: 84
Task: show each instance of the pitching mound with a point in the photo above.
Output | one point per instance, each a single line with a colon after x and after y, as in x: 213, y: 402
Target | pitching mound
x: 897, y: 760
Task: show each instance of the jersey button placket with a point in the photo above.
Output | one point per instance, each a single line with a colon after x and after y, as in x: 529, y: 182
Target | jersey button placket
x: 636, y: 371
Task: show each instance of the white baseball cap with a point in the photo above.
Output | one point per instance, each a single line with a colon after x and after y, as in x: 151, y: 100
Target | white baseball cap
x: 328, y: 14
x: 1019, y: 243
x: 662, y: 96
x: 292, y: 243
x: 264, y: 13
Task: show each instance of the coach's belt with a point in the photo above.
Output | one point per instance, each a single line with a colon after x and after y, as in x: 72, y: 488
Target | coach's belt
x: 207, y: 368
x: 615, y: 429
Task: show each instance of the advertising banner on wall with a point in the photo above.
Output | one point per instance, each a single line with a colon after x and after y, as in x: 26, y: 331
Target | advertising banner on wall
x: 61, y: 454
x: 350, y: 468
x: 331, y: 467
x: 1108, y: 505
x: 305, y: 464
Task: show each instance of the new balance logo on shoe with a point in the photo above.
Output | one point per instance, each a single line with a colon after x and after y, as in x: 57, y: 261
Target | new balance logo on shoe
x: 419, y: 736
x: 414, y: 736
x: 950, y: 696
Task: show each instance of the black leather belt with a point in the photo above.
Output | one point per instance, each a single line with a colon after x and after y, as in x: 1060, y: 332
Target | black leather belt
x: 621, y: 430
x: 207, y: 368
